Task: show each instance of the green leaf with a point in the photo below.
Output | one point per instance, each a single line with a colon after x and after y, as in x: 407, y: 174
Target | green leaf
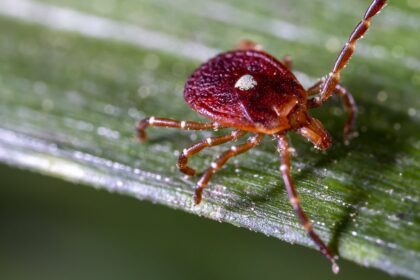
x: 75, y: 76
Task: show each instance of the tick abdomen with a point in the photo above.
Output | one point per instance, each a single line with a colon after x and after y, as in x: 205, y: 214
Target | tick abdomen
x: 245, y: 89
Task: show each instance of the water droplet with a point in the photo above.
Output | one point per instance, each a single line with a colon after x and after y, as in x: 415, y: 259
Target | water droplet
x: 382, y: 96
x: 333, y: 44
x: 108, y: 133
x: 335, y: 268
x: 411, y: 112
x: 110, y: 109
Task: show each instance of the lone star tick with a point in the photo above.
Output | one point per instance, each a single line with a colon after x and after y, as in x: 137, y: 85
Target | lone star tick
x: 251, y: 91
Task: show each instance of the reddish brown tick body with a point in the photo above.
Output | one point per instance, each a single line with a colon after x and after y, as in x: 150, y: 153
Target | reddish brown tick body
x: 251, y: 91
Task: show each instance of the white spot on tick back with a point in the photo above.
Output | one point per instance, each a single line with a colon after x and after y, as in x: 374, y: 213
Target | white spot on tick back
x: 246, y: 82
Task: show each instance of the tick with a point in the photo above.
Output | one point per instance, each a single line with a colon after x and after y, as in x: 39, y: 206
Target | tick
x: 250, y: 91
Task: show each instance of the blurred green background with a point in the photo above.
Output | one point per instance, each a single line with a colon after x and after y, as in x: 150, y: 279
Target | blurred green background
x: 51, y: 229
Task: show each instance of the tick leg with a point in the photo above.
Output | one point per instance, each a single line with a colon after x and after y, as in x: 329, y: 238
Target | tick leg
x: 314, y: 89
x: 248, y: 45
x: 283, y: 148
x: 233, y: 151
x: 351, y: 109
x: 315, y: 132
x: 333, y: 77
x: 197, y: 147
x: 187, y: 125
x: 287, y: 61
x: 349, y: 105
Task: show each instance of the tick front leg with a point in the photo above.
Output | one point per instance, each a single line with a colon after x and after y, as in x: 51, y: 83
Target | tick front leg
x: 348, y: 101
x: 315, y: 132
x: 187, y: 125
x: 283, y: 148
x: 233, y: 151
x: 346, y: 53
x: 314, y: 89
x: 197, y: 147
x: 351, y: 108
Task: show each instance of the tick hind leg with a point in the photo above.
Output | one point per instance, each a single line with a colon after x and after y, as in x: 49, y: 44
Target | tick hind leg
x: 197, y: 147
x: 187, y: 125
x: 346, y: 53
x: 283, y: 148
x: 233, y: 151
x: 247, y: 44
x: 288, y: 62
x: 348, y: 101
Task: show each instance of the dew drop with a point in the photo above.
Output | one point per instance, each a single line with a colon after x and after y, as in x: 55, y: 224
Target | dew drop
x: 411, y: 112
x: 333, y: 44
x: 382, y: 96
x: 335, y: 268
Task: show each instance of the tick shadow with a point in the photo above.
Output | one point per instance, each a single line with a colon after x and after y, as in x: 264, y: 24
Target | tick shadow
x: 386, y: 134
